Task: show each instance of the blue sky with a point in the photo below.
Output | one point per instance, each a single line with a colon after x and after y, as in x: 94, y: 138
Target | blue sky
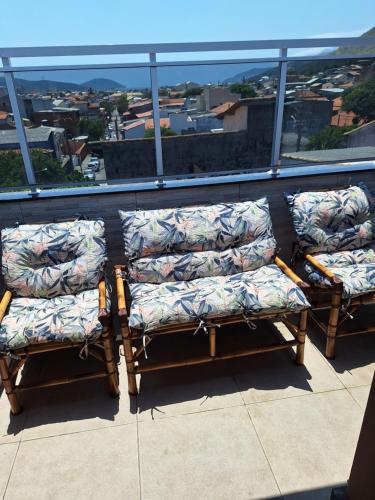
x: 41, y: 22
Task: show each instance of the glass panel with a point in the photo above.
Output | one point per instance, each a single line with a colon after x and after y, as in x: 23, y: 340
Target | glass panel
x: 12, y: 173
x: 216, y: 118
x: 328, y: 112
x: 78, y: 121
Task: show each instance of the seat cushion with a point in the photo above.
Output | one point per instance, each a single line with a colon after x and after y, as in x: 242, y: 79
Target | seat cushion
x: 60, y: 319
x: 266, y: 289
x: 356, y: 268
x: 53, y: 259
x: 330, y: 221
x: 196, y: 242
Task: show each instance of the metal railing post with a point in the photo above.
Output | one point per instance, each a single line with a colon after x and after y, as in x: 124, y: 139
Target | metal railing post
x: 279, y: 113
x: 9, y: 80
x: 156, y: 115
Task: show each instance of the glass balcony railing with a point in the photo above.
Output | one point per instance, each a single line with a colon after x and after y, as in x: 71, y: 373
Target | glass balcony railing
x: 78, y: 117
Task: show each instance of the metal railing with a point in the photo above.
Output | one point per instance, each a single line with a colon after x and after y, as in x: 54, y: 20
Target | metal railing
x: 283, y: 46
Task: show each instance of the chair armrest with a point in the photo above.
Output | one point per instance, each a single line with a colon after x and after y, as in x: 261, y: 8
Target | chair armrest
x: 291, y: 274
x: 5, y: 301
x: 102, y: 299
x: 324, y: 270
x: 120, y: 290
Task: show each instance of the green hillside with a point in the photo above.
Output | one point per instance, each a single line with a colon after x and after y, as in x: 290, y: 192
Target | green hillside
x: 368, y: 49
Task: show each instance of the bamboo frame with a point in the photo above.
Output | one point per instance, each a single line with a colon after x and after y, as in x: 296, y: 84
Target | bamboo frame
x: 130, y: 335
x: 8, y: 374
x: 337, y: 316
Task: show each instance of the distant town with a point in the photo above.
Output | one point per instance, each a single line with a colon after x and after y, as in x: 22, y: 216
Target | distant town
x: 99, y: 135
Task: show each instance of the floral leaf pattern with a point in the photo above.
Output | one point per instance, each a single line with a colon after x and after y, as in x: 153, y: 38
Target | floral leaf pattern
x: 192, y: 264
x: 45, y: 261
x: 333, y: 220
x: 196, y: 242
x: 356, y: 268
x: 264, y: 289
x: 60, y: 319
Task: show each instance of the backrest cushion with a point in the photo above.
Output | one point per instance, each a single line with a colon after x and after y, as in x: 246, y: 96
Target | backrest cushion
x: 53, y: 259
x: 329, y: 221
x: 195, y: 242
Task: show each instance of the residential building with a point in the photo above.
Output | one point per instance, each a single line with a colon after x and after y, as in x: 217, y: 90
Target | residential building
x: 362, y: 136
x: 47, y: 138
x: 135, y: 130
x: 182, y: 122
x: 67, y: 118
x: 215, y: 96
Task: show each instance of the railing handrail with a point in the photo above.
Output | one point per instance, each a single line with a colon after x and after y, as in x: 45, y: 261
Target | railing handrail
x: 85, y: 50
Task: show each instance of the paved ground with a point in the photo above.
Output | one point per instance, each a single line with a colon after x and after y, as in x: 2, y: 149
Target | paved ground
x: 256, y: 428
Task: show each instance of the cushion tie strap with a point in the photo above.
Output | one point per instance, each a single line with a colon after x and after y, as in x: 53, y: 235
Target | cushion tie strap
x: 203, y: 325
x: 249, y: 323
x: 84, y: 352
x: 345, y: 309
x: 145, y: 340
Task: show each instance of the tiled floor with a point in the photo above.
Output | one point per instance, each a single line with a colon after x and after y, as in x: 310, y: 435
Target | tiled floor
x: 259, y: 427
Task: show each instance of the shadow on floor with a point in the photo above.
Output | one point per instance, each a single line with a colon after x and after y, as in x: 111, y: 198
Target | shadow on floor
x: 332, y: 492
x: 65, y: 403
x: 201, y: 383
x: 353, y: 351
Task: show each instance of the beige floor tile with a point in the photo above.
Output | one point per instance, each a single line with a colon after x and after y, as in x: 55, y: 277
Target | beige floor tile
x: 7, y: 454
x: 186, y: 390
x: 212, y: 455
x: 11, y: 427
x: 360, y: 394
x: 274, y: 375
x: 309, y: 440
x: 74, y: 407
x: 354, y: 363
x: 100, y: 464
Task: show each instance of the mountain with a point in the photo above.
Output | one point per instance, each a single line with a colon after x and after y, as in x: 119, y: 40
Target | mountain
x: 250, y: 73
x: 52, y: 85
x: 43, y: 85
x: 103, y: 84
x: 368, y: 49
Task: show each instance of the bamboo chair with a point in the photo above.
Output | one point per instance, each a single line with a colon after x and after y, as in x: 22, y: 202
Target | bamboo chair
x: 135, y: 340
x: 333, y: 293
x: 100, y: 347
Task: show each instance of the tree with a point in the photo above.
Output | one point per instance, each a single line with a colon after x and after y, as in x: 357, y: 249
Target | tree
x: 193, y: 92
x: 165, y: 132
x: 330, y: 137
x: 46, y: 169
x: 108, y: 106
x: 122, y: 104
x: 93, y: 128
x: 243, y: 89
x: 361, y: 100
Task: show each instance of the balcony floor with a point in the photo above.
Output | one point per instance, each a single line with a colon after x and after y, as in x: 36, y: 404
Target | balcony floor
x: 258, y: 427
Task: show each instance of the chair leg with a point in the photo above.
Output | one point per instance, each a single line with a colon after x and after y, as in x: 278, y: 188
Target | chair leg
x: 332, y: 324
x: 301, y: 337
x: 110, y: 362
x: 9, y: 387
x: 128, y: 352
x: 212, y: 337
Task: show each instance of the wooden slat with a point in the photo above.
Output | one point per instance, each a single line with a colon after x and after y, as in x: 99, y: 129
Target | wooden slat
x: 205, y: 359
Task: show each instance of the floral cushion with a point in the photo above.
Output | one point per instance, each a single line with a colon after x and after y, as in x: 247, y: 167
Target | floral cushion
x: 60, y: 319
x: 356, y: 269
x: 333, y: 220
x: 53, y: 259
x: 264, y: 289
x: 196, y: 242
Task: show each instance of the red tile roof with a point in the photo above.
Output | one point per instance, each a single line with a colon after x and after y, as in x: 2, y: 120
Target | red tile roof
x: 164, y: 122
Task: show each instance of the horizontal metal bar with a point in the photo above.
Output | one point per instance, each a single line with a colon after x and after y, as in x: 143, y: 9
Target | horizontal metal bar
x: 201, y: 62
x: 284, y: 173
x: 84, y: 50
